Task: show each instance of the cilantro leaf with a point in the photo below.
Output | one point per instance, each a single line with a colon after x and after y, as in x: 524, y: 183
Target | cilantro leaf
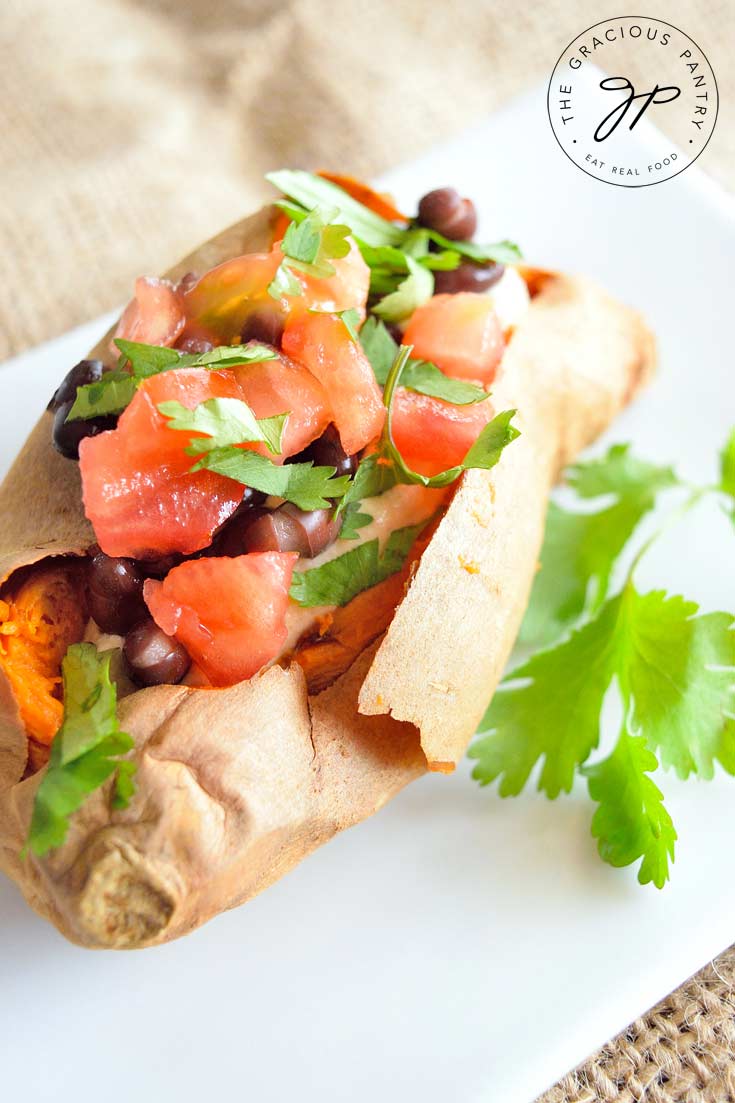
x: 727, y: 471
x: 502, y: 252
x: 341, y: 579
x: 284, y: 283
x: 316, y: 241
x: 353, y: 519
x: 580, y: 549
x: 308, y: 487
x: 549, y: 708
x: 418, y: 375
x: 146, y: 360
x: 312, y: 191
x: 224, y: 421
x: 679, y: 670
x: 115, y: 390
x: 86, y: 750
x: 309, y: 246
x: 631, y: 821
x: 675, y: 676
x: 411, y: 293
x: 108, y: 395
x: 373, y: 477
x: 351, y: 319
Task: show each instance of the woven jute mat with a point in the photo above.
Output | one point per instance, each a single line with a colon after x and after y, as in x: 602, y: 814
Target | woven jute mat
x: 133, y: 129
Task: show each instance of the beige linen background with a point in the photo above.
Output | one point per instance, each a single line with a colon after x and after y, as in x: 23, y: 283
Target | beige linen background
x: 133, y: 129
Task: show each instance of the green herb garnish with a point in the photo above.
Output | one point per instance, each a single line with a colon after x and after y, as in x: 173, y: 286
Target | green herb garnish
x: 387, y: 249
x: 411, y: 293
x: 229, y: 422
x: 341, y: 579
x: 86, y: 751
x: 418, y: 375
x: 307, y: 486
x: 309, y: 246
x: 312, y: 191
x: 115, y: 390
x: 671, y: 668
x: 225, y: 422
x: 581, y: 548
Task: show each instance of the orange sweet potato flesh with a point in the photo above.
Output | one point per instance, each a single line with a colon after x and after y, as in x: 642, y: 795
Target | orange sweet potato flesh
x: 328, y: 652
x: 42, y: 612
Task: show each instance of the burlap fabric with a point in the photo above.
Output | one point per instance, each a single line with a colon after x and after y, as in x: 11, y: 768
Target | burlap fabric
x: 132, y: 129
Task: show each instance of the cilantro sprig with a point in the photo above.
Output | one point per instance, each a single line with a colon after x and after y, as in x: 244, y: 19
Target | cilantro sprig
x: 115, y: 390
x: 87, y: 750
x: 671, y: 667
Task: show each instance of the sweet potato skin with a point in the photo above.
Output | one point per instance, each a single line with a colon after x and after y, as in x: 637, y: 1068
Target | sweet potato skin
x: 235, y: 786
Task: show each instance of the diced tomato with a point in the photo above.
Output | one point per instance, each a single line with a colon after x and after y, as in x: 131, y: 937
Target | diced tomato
x: 432, y: 435
x: 221, y: 300
x: 219, y: 304
x: 155, y: 316
x: 282, y: 386
x: 323, y: 343
x: 460, y: 333
x: 139, y: 494
x: 230, y: 614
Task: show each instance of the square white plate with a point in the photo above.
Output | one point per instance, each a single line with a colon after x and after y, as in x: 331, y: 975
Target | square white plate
x: 455, y: 947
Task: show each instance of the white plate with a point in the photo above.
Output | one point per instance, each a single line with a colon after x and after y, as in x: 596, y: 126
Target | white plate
x: 455, y: 947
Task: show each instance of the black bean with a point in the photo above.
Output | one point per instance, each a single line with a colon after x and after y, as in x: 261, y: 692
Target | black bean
x: 115, y: 593
x: 468, y: 276
x: 67, y: 435
x: 158, y: 568
x: 327, y: 451
x: 319, y: 526
x: 86, y: 371
x: 285, y: 529
x: 445, y: 211
x: 264, y: 324
x: 154, y: 658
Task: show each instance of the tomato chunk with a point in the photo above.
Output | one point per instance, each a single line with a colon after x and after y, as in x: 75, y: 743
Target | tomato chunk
x: 155, y: 316
x: 230, y: 614
x: 222, y: 300
x: 460, y: 333
x: 432, y: 435
x: 219, y: 303
x: 278, y: 386
x: 139, y: 493
x: 323, y: 343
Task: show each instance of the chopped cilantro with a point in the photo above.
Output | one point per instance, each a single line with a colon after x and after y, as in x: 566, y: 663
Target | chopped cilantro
x: 86, y: 751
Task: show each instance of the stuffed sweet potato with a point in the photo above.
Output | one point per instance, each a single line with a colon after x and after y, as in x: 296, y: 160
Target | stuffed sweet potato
x: 307, y: 552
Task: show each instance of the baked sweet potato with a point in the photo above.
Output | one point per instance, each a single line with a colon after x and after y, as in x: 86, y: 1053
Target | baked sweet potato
x: 236, y: 785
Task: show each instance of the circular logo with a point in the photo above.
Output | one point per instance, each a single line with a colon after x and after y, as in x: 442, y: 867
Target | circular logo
x: 633, y: 101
